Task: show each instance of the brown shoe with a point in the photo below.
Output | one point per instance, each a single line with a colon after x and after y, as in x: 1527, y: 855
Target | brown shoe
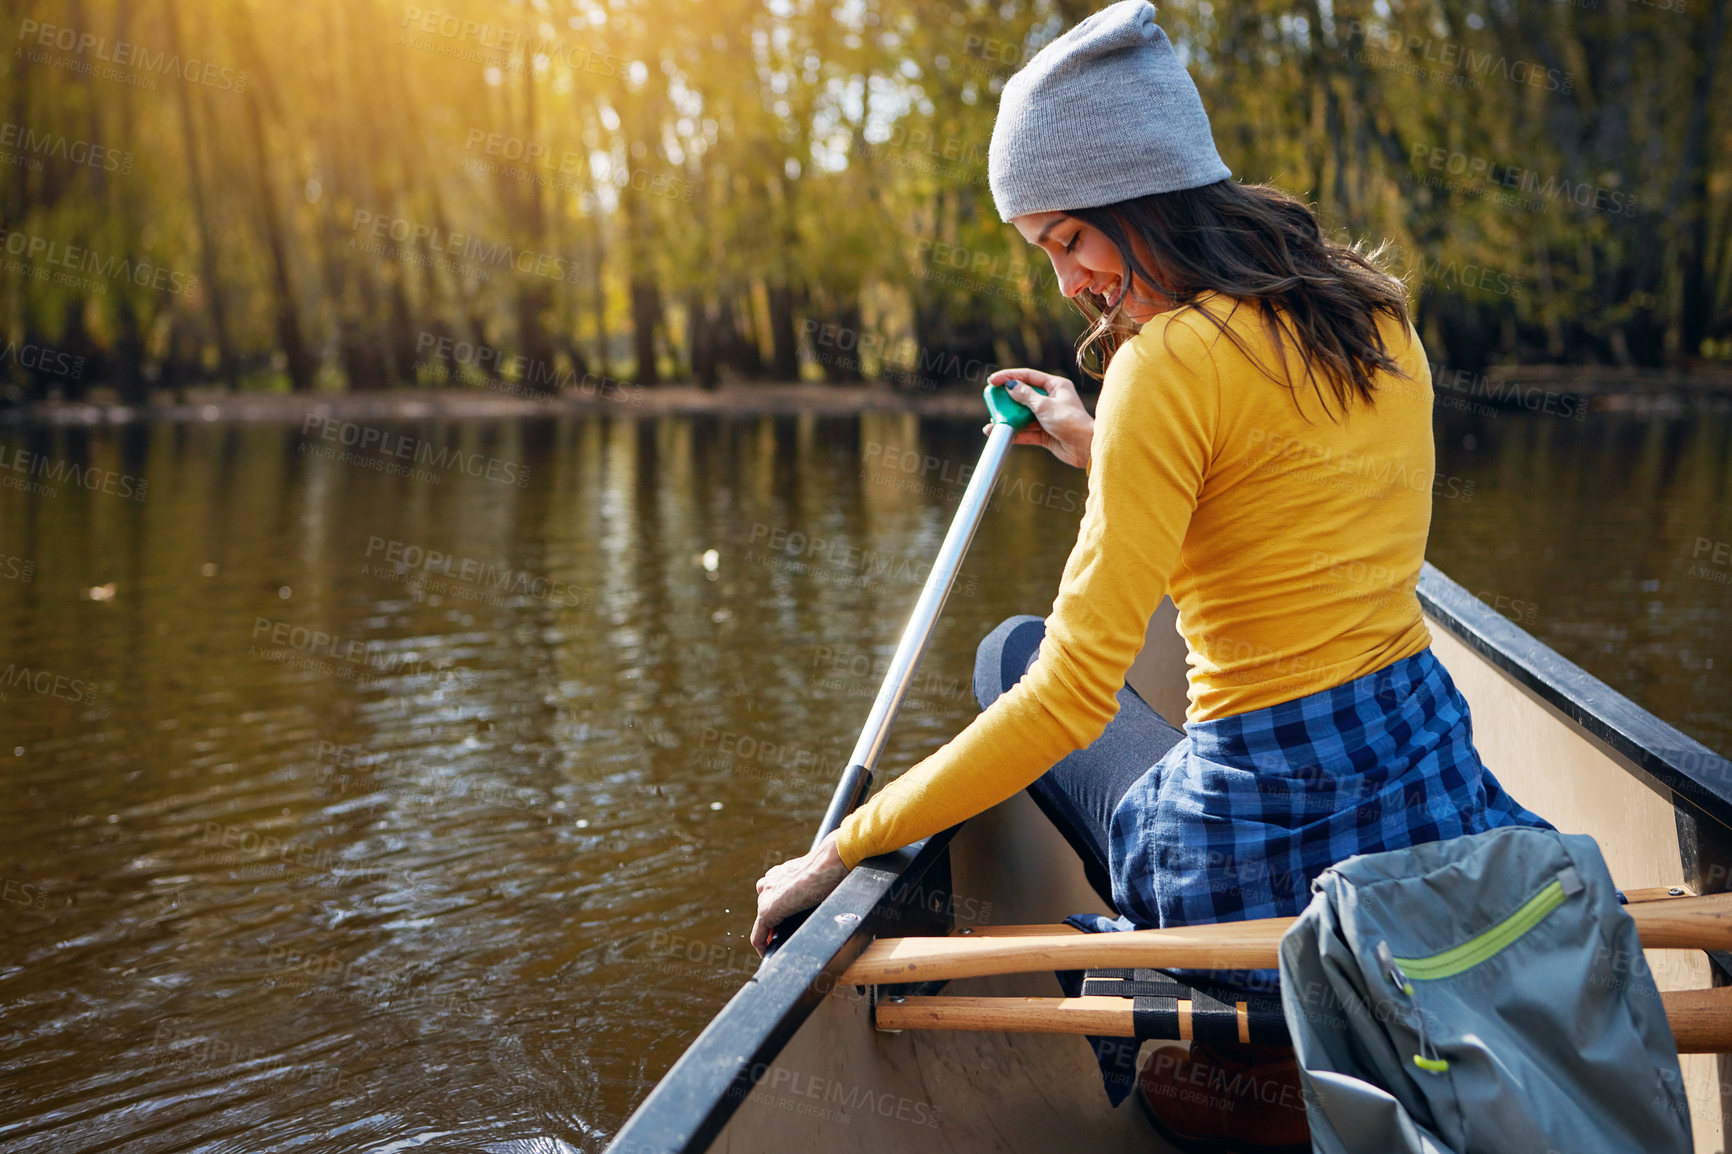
x: 1220, y: 1099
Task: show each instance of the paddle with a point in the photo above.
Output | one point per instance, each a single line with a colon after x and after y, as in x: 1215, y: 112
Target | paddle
x: 1008, y: 417
x: 1688, y: 923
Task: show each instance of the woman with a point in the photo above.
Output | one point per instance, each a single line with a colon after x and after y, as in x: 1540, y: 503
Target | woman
x: 1262, y: 453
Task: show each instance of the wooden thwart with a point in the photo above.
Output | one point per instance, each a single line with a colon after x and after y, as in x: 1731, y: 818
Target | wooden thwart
x: 1683, y: 923
x: 1701, y: 1019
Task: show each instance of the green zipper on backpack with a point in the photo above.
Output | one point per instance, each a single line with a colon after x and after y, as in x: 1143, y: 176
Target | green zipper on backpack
x: 1484, y: 945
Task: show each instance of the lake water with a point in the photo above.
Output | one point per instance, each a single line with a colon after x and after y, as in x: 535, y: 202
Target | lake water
x: 362, y: 809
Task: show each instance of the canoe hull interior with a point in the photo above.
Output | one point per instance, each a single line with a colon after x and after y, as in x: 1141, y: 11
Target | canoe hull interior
x: 943, y: 1091
x: 1564, y: 745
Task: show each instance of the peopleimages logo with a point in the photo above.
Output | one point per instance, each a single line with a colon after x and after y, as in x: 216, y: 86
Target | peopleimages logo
x: 79, y: 259
x: 489, y: 575
x: 47, y: 475
x: 899, y: 359
x: 1544, y: 188
x: 1459, y: 57
x: 982, y: 263
x: 455, y: 249
x: 790, y: 550
x: 528, y: 377
x: 1358, y: 473
x: 1706, y: 559
x: 839, y: 1100
x: 47, y: 683
x: 453, y: 36
x: 56, y: 146
x: 137, y: 57
x: 303, y: 647
x: 393, y: 447
x: 912, y: 471
x: 43, y: 359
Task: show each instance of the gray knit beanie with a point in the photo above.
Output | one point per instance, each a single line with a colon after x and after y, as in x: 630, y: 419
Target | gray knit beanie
x: 1102, y: 114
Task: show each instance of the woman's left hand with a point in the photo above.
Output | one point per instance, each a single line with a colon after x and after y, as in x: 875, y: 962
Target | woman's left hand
x: 1062, y: 426
x: 796, y: 885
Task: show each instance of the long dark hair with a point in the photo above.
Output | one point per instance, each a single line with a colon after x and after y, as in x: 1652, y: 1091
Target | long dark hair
x: 1260, y: 245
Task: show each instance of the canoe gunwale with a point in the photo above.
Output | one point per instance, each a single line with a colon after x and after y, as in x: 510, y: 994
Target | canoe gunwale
x: 689, y: 1106
x: 1694, y: 773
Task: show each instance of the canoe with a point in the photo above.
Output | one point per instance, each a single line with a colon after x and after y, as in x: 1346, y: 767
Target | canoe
x: 794, y: 1061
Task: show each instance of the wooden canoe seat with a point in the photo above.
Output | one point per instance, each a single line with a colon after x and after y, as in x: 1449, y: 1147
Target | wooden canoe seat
x: 1148, y: 1004
x: 1664, y: 920
x: 1701, y: 1019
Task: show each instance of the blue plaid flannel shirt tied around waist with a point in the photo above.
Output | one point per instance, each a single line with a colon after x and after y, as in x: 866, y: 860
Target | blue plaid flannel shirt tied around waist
x: 1246, y: 811
x: 1238, y: 818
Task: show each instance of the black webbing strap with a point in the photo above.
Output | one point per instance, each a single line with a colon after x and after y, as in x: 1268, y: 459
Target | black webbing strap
x: 1155, y: 1017
x: 1213, y: 1020
x: 1133, y: 984
x: 1155, y: 997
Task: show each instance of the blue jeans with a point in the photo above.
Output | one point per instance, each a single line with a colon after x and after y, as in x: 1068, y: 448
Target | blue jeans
x: 1079, y: 794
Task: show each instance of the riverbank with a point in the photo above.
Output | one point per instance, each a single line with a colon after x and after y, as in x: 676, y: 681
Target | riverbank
x: 1702, y: 386
x: 481, y: 404
x: 1596, y: 387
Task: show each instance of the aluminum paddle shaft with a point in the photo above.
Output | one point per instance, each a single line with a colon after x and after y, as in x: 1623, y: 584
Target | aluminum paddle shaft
x: 857, y: 779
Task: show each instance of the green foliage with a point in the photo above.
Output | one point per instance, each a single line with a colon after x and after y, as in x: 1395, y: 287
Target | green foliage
x: 363, y: 190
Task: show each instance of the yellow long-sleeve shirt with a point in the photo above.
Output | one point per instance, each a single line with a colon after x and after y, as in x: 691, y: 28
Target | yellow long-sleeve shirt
x: 1290, y: 538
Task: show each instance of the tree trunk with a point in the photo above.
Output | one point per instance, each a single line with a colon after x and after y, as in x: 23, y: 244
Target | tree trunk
x: 784, y: 344
x: 1696, y: 304
x: 477, y: 324
x: 702, y: 331
x: 75, y: 341
x: 746, y: 356
x: 646, y: 307
x: 646, y: 312
x: 289, y: 339
x: 598, y: 297
x: 844, y: 366
x: 400, y: 331
x: 534, y: 293
x: 129, y: 380
x: 130, y: 383
x: 211, y: 290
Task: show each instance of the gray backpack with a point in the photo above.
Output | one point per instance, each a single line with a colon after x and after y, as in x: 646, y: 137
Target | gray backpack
x: 1480, y: 994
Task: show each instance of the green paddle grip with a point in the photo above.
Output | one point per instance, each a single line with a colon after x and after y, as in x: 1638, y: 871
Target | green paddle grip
x: 1006, y: 411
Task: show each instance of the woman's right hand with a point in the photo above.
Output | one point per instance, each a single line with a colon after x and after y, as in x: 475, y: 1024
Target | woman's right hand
x: 1062, y: 425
